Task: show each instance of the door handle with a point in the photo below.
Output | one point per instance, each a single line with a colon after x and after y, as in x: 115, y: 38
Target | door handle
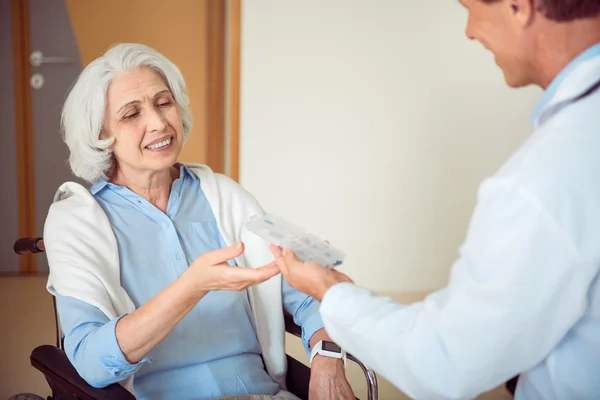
x: 36, y: 58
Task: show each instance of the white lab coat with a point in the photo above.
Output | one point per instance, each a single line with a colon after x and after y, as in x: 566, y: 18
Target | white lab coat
x: 524, y: 294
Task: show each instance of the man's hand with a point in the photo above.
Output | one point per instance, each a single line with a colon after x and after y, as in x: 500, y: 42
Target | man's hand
x: 327, y: 375
x: 307, y: 277
x: 328, y: 380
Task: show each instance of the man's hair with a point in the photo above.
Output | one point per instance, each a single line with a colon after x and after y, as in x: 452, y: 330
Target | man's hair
x: 565, y: 10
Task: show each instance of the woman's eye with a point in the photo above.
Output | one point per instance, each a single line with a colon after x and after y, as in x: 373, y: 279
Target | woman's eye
x: 132, y: 115
x: 164, y: 104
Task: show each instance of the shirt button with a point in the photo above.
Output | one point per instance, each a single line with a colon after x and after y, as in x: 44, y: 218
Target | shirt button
x: 179, y: 256
x: 165, y: 225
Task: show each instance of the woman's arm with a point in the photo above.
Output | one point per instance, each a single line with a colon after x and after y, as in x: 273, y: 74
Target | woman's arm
x: 143, y: 329
x: 90, y: 343
x: 139, y: 332
x: 106, y: 351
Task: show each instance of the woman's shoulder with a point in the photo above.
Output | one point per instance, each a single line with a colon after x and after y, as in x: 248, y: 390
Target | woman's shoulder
x: 223, y: 191
x: 71, y: 197
x: 214, y: 181
x: 73, y: 206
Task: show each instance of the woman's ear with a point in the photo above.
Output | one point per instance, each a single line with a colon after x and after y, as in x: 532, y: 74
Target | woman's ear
x: 103, y: 136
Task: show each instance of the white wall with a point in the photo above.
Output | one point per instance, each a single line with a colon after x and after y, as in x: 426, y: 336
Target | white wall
x: 371, y: 123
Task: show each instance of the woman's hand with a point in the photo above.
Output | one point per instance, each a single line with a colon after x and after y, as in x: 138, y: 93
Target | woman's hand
x: 139, y: 332
x: 210, y: 272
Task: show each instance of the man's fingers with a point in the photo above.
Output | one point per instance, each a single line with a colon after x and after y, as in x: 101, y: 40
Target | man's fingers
x: 290, y: 258
x: 276, y: 250
x: 282, y: 266
x: 222, y: 255
x: 279, y: 259
x: 286, y: 261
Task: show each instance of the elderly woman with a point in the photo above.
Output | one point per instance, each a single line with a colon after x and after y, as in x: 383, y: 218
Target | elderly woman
x: 150, y: 266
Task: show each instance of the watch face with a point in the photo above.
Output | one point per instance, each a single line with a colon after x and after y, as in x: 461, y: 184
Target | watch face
x: 330, y: 346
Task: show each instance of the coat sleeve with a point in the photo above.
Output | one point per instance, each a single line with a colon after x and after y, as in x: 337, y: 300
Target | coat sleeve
x: 518, y: 287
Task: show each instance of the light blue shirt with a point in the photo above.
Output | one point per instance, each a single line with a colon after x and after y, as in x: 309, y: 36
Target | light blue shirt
x: 213, y: 351
x: 550, y: 91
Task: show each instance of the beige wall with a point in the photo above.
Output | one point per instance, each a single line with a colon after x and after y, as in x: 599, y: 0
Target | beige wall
x: 371, y: 123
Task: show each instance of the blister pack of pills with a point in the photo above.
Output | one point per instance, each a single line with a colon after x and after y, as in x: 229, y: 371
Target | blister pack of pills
x: 308, y: 247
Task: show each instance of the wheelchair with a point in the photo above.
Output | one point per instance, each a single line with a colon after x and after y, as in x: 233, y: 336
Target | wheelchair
x: 66, y: 384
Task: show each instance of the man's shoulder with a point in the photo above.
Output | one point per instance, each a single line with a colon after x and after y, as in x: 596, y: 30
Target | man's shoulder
x: 558, y: 170
x: 561, y: 152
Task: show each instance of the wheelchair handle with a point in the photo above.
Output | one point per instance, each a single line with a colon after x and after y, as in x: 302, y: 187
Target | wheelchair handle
x: 29, y: 245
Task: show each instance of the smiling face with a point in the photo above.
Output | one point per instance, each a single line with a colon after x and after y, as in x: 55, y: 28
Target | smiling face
x: 503, y: 27
x: 143, y: 117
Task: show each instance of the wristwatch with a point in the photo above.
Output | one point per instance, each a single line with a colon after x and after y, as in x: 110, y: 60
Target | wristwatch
x: 328, y: 349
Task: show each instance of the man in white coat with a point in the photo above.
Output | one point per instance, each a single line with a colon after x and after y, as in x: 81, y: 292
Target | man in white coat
x: 524, y: 295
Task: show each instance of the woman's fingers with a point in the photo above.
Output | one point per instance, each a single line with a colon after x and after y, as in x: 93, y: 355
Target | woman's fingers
x: 267, y: 272
x: 220, y: 256
x: 248, y: 276
x: 216, y: 274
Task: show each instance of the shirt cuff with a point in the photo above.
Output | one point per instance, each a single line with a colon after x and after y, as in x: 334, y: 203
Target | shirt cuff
x: 310, y: 325
x: 110, y: 352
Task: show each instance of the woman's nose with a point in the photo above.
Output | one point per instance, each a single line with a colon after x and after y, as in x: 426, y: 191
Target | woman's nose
x: 155, y: 121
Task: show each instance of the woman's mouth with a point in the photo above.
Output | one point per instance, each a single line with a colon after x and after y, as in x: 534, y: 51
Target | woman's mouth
x: 160, y: 145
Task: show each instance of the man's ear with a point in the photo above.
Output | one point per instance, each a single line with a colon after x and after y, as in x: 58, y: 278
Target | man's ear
x: 523, y: 11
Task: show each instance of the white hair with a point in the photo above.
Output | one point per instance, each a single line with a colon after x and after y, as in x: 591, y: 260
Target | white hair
x: 82, y: 116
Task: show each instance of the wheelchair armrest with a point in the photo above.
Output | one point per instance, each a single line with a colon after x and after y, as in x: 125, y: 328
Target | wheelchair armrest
x: 290, y: 325
x: 53, y: 363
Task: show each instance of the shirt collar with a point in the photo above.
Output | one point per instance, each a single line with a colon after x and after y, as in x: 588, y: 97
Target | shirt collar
x: 592, y: 52
x: 184, y: 170
x: 102, y: 183
x: 98, y: 186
